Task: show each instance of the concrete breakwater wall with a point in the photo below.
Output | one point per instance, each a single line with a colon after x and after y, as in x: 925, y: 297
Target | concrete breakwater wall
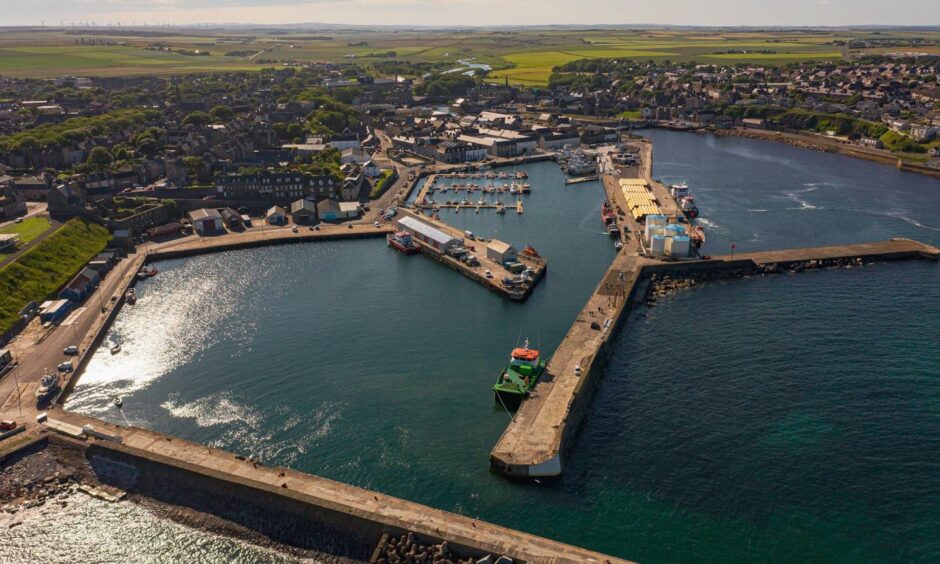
x: 289, y: 507
x: 598, y: 365
x: 282, y: 517
x: 547, y: 424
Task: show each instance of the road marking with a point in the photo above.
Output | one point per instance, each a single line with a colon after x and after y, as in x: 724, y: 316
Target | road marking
x: 74, y: 317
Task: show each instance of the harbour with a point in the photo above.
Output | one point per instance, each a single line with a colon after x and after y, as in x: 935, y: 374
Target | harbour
x: 504, y: 347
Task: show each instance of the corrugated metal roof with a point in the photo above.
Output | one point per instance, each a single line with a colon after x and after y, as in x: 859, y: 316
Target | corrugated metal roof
x: 425, y: 230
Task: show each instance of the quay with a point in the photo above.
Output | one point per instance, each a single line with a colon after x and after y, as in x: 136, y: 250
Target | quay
x: 285, y: 505
x: 546, y: 424
x: 197, y: 245
x: 478, y: 248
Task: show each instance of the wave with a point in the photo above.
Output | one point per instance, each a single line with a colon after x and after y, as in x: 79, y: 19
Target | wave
x: 280, y: 435
x: 707, y: 223
x: 212, y: 410
x: 902, y: 215
x: 804, y: 205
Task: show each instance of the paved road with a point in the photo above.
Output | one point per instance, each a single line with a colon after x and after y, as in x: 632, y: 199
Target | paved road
x: 34, y: 357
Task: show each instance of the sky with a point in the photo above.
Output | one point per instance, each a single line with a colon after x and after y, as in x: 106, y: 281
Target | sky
x: 474, y: 12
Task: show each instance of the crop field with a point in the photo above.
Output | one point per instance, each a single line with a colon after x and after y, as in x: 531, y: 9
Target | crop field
x: 523, y: 56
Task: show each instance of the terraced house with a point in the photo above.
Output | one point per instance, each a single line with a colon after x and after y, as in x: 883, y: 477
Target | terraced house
x: 276, y: 187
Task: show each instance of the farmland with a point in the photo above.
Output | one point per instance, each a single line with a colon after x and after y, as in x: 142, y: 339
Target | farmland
x: 523, y: 56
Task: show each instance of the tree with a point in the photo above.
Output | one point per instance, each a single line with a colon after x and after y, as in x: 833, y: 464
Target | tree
x: 148, y: 146
x: 99, y: 158
x: 194, y: 165
x: 199, y: 119
x: 222, y: 113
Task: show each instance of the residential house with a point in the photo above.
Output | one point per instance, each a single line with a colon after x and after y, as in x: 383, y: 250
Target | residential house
x: 12, y: 204
x: 345, y: 141
x: 276, y: 187
x: 352, y: 186
x: 371, y: 169
x: 66, y: 201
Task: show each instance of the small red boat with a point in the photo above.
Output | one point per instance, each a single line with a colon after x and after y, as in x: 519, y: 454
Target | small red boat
x: 146, y: 272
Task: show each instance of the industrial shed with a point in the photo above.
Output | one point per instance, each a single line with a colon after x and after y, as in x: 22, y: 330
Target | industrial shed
x: 206, y: 220
x: 303, y: 212
x: 501, y: 252
x: 428, y: 235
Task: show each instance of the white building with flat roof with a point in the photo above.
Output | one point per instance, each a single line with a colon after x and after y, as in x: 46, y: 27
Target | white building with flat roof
x: 428, y: 234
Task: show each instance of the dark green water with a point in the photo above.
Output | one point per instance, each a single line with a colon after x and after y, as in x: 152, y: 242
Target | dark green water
x: 786, y: 418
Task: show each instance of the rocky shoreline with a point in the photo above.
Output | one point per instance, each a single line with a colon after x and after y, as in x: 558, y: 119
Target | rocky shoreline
x: 779, y: 137
x: 662, y: 286
x: 52, y: 471
x: 407, y: 548
x: 804, y: 141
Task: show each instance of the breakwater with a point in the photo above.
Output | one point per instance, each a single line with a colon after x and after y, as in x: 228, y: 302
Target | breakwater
x: 291, y: 507
x: 543, y: 430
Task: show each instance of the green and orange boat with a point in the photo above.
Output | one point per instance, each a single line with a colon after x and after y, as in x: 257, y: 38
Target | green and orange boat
x: 519, y: 377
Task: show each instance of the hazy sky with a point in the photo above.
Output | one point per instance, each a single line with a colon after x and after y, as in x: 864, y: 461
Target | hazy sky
x: 475, y: 12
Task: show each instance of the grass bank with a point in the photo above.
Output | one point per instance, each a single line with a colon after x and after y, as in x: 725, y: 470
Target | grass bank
x: 48, y: 266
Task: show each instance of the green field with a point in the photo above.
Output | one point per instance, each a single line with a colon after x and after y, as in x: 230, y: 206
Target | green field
x: 524, y: 56
x: 45, y: 268
x: 28, y: 230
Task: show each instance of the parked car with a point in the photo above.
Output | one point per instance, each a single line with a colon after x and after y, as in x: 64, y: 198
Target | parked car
x: 7, y: 425
x: 70, y: 350
x: 65, y: 366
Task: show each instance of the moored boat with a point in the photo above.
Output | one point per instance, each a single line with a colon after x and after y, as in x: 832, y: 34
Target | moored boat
x: 679, y: 191
x: 530, y: 251
x: 402, y: 241
x: 689, y: 207
x: 607, y: 213
x: 519, y: 377
x: 131, y: 296
x: 147, y: 272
